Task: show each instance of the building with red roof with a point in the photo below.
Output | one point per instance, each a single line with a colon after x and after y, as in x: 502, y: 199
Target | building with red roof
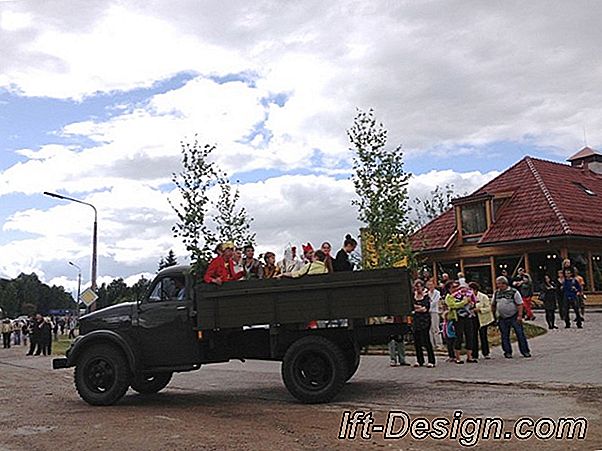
x: 534, y: 215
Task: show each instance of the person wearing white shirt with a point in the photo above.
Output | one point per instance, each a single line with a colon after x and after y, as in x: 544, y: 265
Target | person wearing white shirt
x: 435, y: 297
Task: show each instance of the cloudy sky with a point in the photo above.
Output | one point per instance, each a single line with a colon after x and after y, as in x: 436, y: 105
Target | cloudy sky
x: 96, y: 96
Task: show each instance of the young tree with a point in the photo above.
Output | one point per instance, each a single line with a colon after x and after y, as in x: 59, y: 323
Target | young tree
x: 438, y: 202
x: 232, y: 223
x: 199, y: 174
x: 381, y: 186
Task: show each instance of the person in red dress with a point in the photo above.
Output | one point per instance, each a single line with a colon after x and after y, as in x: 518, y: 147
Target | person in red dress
x: 221, y: 268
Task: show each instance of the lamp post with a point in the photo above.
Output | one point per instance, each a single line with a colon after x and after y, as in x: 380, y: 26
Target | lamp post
x: 94, y: 234
x: 79, y: 285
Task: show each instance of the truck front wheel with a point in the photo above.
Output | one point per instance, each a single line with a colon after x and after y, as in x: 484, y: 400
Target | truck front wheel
x: 314, y: 369
x: 102, y: 375
x: 147, y: 384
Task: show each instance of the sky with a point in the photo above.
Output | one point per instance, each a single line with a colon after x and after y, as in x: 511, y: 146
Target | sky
x: 95, y: 98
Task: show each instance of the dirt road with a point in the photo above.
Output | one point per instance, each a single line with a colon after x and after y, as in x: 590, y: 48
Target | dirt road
x: 245, y: 406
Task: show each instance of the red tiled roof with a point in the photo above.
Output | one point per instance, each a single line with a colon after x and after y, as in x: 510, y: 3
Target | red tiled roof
x: 548, y: 200
x: 437, y: 234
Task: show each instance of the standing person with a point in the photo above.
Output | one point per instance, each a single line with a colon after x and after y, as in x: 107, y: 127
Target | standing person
x: 461, y: 302
x: 221, y: 268
x: 484, y: 318
x: 46, y: 336
x: 253, y: 267
x: 341, y: 261
x: 34, y: 333
x: 397, y: 347
x: 290, y: 262
x: 7, y: 329
x: 55, y: 327
x: 327, y: 249
x: 435, y: 297
x: 421, y: 325
x: 562, y: 308
x: 508, y: 304
x: 570, y: 290
x: 16, y: 333
x: 462, y: 280
x: 443, y: 286
x: 581, y: 294
x: 524, y: 284
x: 270, y: 270
x: 25, y: 331
x: 549, y: 296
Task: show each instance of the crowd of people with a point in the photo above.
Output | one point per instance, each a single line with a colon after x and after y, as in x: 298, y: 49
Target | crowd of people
x: 453, y: 315
x: 37, y: 332
x: 234, y: 263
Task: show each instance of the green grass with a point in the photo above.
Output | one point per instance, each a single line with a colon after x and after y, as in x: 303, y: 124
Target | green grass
x: 59, y: 347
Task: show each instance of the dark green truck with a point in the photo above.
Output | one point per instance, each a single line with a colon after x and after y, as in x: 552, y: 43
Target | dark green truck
x: 181, y: 325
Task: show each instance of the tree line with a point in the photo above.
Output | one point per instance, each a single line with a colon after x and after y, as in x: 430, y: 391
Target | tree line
x: 26, y: 295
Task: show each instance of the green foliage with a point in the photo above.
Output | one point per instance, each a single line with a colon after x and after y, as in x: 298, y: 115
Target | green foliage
x: 117, y: 292
x: 437, y: 203
x: 197, y: 177
x: 381, y: 186
x: 231, y: 223
x: 27, y: 294
x: 200, y: 232
x: 168, y: 261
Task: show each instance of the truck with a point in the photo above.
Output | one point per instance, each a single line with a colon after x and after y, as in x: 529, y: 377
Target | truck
x: 182, y: 324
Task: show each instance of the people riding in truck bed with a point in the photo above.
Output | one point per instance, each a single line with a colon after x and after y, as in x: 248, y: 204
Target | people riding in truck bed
x: 221, y: 268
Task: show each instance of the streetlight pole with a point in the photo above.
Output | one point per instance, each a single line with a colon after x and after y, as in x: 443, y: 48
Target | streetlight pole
x: 94, y: 234
x: 79, y: 285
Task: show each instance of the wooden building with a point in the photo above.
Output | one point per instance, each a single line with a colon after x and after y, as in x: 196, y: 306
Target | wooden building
x: 533, y: 215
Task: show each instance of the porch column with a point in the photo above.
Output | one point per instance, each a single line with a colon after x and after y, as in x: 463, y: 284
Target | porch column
x: 492, y: 269
x: 527, y: 266
x: 590, y: 272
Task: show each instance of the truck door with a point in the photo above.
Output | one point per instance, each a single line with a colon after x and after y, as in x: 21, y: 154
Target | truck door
x: 164, y: 328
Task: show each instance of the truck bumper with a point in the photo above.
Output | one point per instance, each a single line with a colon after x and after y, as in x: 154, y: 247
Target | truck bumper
x: 60, y: 363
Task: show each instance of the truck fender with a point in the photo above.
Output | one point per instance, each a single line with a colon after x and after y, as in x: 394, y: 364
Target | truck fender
x: 101, y: 336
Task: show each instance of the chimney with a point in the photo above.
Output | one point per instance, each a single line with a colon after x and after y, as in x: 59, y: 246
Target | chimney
x: 587, y: 159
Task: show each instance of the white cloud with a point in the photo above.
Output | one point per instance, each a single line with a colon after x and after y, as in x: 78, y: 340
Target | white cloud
x: 440, y: 83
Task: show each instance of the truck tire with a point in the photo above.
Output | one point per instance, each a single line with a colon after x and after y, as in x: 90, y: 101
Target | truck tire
x: 352, y: 355
x: 102, y: 375
x: 314, y: 369
x: 147, y: 384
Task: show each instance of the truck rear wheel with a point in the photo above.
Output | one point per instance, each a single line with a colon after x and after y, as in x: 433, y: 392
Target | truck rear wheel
x: 314, y: 369
x: 102, y: 375
x: 147, y: 384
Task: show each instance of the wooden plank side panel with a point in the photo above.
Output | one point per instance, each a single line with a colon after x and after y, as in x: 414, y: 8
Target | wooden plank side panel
x: 343, y: 295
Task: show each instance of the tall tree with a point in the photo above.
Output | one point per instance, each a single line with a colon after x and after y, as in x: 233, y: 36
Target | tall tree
x: 200, y: 232
x: 232, y: 223
x: 199, y: 174
x: 381, y: 186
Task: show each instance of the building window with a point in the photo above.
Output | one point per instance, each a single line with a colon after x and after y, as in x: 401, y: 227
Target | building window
x: 585, y: 189
x: 579, y: 261
x: 474, y: 219
x: 597, y: 266
x: 542, y: 263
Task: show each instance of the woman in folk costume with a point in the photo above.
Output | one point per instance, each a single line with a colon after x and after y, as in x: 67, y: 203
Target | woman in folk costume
x: 290, y: 262
x: 308, y: 253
